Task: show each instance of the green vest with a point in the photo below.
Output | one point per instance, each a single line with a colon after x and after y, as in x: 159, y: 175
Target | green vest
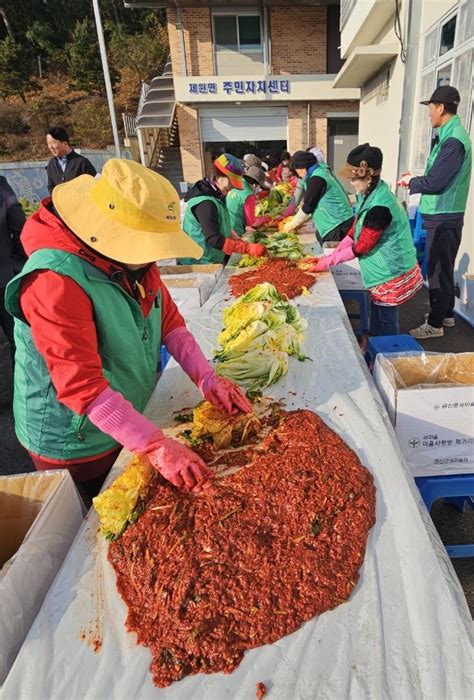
x: 193, y: 228
x: 394, y: 253
x: 234, y: 203
x: 129, y: 347
x: 333, y: 207
x: 454, y: 198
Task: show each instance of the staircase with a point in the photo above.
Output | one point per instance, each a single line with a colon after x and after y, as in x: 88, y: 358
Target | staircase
x: 169, y: 165
x: 156, y: 127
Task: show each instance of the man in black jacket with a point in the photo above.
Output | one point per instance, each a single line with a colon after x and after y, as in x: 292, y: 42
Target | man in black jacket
x: 12, y: 255
x: 66, y: 164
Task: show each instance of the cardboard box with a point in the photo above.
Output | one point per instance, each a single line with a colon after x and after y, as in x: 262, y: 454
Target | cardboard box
x: 213, y: 269
x: 430, y: 401
x: 190, y: 286
x: 40, y: 514
x: 346, y: 275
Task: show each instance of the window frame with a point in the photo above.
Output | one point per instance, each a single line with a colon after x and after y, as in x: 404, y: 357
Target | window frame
x: 437, y: 64
x: 236, y: 15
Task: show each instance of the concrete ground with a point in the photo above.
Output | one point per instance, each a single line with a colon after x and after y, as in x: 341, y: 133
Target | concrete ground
x: 454, y: 527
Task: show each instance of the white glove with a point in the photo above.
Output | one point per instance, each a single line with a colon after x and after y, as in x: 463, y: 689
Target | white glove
x: 299, y: 218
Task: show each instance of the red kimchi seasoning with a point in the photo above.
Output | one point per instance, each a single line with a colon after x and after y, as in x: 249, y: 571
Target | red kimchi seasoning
x: 249, y: 560
x: 286, y: 277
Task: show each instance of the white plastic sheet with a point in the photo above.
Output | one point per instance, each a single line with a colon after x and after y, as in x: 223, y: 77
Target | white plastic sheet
x: 404, y: 633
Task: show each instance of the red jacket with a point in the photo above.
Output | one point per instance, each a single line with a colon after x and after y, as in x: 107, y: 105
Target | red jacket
x: 61, y: 314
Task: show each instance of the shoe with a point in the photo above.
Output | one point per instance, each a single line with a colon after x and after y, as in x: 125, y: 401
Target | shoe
x: 448, y: 322
x: 426, y: 331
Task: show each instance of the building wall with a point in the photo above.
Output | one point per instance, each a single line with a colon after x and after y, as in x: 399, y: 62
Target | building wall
x: 381, y: 102
x: 190, y: 142
x: 299, y: 137
x: 197, y: 41
x: 298, y: 40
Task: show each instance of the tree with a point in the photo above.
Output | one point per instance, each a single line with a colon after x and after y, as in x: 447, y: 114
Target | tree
x: 15, y: 70
x: 85, y: 67
x: 144, y: 52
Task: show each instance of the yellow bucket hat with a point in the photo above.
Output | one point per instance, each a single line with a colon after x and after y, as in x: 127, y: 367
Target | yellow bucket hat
x: 130, y: 214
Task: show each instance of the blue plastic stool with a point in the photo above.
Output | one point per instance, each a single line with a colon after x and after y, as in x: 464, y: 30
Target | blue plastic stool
x: 362, y: 298
x: 390, y: 343
x: 455, y: 488
x: 165, y: 356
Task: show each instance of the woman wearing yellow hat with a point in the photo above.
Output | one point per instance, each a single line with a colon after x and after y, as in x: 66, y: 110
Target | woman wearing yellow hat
x: 207, y: 220
x: 91, y: 314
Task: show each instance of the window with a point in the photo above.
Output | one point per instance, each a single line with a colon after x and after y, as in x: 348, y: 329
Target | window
x: 448, y: 32
x: 462, y: 72
x: 466, y: 22
x: 444, y: 76
x: 225, y: 33
x: 430, y: 48
x: 448, y: 57
x: 240, y: 33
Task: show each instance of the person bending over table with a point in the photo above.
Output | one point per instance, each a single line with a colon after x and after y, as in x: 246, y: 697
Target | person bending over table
x: 91, y: 313
x: 207, y: 220
x: 381, y: 238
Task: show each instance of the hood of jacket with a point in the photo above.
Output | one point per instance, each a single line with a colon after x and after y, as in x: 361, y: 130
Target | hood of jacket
x: 203, y: 188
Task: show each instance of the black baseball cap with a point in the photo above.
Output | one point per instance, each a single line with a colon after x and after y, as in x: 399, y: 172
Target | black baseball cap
x: 446, y: 95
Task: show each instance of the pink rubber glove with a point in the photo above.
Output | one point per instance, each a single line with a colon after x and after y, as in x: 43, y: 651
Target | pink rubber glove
x: 221, y: 392
x: 179, y: 465
x: 289, y: 211
x: 114, y: 415
x: 343, y: 253
x: 256, y: 249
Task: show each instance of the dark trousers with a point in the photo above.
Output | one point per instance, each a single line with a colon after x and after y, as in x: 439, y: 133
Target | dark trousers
x: 6, y: 322
x: 442, y: 242
x: 337, y: 234
x: 383, y: 320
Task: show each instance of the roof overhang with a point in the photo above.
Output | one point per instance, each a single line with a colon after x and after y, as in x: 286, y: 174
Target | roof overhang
x: 363, y: 63
x: 163, y: 4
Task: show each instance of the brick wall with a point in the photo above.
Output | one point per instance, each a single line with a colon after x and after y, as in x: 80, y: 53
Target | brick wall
x: 197, y: 41
x: 190, y: 142
x: 299, y: 138
x: 298, y: 40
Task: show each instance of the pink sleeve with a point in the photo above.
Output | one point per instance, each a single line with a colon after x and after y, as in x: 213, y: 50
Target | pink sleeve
x: 249, y: 210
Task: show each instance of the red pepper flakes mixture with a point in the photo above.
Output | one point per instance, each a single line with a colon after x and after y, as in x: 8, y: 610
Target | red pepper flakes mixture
x: 261, y: 690
x: 249, y: 560
x: 288, y: 279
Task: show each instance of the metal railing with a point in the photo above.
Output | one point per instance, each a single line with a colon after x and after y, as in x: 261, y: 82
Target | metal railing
x: 129, y: 125
x: 346, y: 8
x: 163, y: 140
x: 143, y: 93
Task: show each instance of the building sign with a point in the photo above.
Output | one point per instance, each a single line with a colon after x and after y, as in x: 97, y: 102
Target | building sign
x: 258, y: 88
x: 241, y: 87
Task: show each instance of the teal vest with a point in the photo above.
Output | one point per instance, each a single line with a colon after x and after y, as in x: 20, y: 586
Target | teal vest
x: 454, y: 198
x: 129, y: 347
x: 234, y: 203
x: 192, y: 227
x: 333, y: 207
x: 395, y: 253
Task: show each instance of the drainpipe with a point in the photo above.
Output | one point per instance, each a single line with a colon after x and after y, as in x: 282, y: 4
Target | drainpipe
x: 308, y: 126
x: 141, y: 147
x: 412, y: 34
x: 266, y: 39
x: 180, y: 28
